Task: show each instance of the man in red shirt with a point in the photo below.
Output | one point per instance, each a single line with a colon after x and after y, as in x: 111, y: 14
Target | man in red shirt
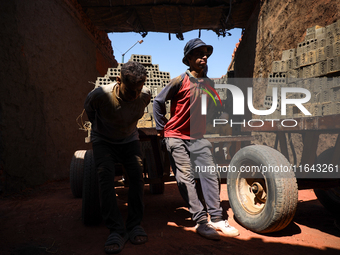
x: 183, y: 135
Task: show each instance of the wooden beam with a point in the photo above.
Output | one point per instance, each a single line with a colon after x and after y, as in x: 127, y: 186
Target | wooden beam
x: 336, y: 158
x: 310, y: 145
x: 283, y: 144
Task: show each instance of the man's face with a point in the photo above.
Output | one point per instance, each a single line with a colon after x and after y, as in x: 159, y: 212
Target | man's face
x: 128, y: 91
x: 198, y: 58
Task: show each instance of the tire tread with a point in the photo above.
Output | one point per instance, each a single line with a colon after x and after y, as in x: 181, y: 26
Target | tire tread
x: 77, y: 173
x: 286, y: 191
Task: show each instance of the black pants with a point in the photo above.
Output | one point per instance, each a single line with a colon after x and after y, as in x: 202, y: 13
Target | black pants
x: 105, y: 157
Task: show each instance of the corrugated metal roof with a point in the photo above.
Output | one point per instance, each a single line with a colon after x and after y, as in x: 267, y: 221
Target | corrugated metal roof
x: 169, y: 16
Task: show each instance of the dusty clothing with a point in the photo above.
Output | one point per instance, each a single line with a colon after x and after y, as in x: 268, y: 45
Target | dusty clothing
x: 105, y: 156
x: 114, y: 120
x: 186, y: 120
x: 184, y: 156
x: 115, y: 140
x: 186, y: 146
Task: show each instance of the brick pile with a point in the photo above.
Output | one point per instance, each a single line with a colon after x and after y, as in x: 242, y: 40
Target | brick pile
x: 313, y: 65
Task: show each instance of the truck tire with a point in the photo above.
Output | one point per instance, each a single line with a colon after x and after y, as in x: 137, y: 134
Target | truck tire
x: 157, y: 187
x: 77, y: 173
x: 329, y: 198
x: 262, y: 201
x: 91, y: 204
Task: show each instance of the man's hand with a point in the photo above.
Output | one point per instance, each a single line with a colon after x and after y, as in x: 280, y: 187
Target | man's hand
x: 224, y: 115
x: 160, y: 133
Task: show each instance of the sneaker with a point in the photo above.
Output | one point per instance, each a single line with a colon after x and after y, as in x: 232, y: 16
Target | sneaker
x: 225, y: 228
x: 207, y: 231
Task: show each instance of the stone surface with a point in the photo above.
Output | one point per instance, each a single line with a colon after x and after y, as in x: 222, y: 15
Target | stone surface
x: 49, y: 54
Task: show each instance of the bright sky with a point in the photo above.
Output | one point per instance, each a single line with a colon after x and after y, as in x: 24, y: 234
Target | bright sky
x: 168, y: 54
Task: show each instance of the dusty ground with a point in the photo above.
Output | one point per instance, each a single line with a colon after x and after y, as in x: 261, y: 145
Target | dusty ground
x: 47, y: 220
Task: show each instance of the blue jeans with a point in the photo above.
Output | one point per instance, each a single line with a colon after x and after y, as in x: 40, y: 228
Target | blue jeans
x: 106, y: 155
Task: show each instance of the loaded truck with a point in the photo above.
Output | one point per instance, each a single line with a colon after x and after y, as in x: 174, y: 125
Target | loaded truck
x: 262, y: 181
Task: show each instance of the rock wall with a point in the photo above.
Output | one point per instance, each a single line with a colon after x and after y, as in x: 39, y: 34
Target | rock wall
x: 280, y: 25
x: 49, y: 53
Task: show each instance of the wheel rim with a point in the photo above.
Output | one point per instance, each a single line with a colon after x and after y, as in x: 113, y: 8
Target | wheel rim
x: 251, y: 190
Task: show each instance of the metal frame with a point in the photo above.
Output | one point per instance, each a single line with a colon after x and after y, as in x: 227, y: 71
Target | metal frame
x: 310, y: 128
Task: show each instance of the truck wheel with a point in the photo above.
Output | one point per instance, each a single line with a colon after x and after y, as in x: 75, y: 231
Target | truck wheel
x: 158, y: 187
x: 329, y: 198
x: 262, y: 201
x: 91, y: 203
x: 77, y: 173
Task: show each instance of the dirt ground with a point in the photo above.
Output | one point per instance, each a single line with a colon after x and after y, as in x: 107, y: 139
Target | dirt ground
x: 47, y: 220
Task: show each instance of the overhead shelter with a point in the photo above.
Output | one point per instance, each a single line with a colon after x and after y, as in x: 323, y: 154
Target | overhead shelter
x: 168, y: 16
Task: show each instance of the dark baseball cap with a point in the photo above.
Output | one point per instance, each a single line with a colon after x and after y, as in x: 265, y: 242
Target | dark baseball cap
x: 193, y: 44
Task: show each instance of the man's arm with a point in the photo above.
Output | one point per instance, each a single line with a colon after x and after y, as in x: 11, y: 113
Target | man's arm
x: 159, y: 108
x: 147, y: 96
x: 90, y: 104
x: 214, y: 113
